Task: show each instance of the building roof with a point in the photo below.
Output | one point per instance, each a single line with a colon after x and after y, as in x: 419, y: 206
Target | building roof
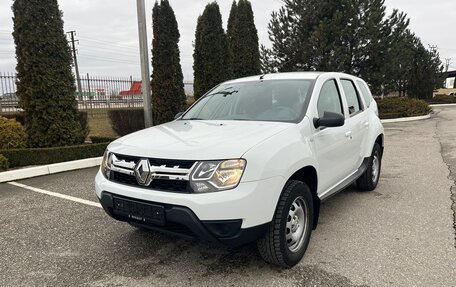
x: 135, y: 89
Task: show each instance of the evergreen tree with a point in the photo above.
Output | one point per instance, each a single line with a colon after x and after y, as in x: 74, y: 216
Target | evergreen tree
x: 268, y: 64
x: 398, y: 55
x: 352, y: 36
x: 426, y: 73
x: 211, y: 55
x: 168, y: 95
x: 45, y: 83
x: 230, y: 33
x: 243, y: 40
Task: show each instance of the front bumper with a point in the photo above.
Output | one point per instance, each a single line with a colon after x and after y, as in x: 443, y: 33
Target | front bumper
x: 181, y: 221
x: 252, y: 202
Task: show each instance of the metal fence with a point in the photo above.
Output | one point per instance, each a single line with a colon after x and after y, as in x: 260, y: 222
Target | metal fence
x: 97, y: 94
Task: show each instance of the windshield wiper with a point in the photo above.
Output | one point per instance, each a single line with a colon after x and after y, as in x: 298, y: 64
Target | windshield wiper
x: 193, y: 119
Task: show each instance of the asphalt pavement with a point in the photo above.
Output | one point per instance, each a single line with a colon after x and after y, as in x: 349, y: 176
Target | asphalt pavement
x: 401, y: 234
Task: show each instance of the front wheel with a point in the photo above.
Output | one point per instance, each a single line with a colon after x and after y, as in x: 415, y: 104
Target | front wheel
x: 368, y: 181
x: 289, y: 232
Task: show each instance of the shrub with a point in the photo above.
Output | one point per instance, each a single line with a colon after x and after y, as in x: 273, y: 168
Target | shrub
x: 398, y: 107
x: 126, y: 121
x: 98, y: 139
x: 20, y: 117
x: 12, y: 134
x: 4, y: 164
x: 39, y: 156
x: 442, y: 99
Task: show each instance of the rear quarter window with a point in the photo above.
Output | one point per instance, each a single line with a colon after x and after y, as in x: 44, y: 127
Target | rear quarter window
x: 365, y: 93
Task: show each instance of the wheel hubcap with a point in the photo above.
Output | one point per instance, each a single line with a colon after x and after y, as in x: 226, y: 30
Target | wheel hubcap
x: 297, y: 224
x: 375, y: 168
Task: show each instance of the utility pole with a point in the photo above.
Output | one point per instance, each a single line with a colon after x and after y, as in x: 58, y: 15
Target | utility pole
x: 447, y: 64
x: 143, y: 49
x: 75, y: 60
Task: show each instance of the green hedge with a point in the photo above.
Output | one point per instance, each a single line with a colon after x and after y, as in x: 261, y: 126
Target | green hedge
x: 126, y: 121
x: 97, y: 139
x: 442, y: 99
x: 39, y: 156
x: 400, y: 107
x: 4, y: 164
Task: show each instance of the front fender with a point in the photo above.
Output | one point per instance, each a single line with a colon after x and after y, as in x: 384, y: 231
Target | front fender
x: 281, y: 155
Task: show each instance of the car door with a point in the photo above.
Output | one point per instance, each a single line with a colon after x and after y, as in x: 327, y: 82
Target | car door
x: 356, y: 122
x: 332, y: 145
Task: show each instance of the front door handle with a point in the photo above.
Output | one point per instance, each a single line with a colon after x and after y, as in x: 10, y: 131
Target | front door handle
x: 348, y: 135
x: 366, y: 124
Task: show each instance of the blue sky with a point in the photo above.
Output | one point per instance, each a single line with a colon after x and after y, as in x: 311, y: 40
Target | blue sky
x: 107, y: 30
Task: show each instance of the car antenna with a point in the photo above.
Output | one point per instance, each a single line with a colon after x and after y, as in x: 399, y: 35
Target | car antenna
x: 262, y: 77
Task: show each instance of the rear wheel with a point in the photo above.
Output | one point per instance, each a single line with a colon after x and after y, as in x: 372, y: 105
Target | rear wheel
x: 368, y: 181
x: 289, y: 233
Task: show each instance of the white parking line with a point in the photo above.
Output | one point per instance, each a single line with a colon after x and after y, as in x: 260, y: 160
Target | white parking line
x: 55, y: 194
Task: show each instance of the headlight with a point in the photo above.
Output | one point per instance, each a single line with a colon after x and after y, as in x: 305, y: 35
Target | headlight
x: 217, y: 175
x: 106, y: 164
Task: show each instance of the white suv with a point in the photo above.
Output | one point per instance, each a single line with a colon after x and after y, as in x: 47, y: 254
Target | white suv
x: 250, y: 161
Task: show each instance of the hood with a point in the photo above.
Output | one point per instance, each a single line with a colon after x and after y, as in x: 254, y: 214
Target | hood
x: 197, y: 140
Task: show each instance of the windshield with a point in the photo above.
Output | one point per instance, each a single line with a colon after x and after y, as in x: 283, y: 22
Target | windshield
x: 273, y: 100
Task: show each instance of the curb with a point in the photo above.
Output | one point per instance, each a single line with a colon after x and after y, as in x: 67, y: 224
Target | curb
x: 49, y: 169
x: 442, y: 105
x: 408, y: 119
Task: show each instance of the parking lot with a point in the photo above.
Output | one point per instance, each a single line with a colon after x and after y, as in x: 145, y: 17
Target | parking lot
x: 401, y: 234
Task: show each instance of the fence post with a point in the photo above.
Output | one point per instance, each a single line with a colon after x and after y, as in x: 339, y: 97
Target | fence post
x: 90, y: 96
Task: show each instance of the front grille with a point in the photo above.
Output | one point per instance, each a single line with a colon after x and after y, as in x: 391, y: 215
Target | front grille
x: 156, y: 184
x: 167, y: 174
x: 160, y: 161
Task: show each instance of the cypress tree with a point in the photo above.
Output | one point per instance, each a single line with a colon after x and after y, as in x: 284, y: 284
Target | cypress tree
x: 211, y: 55
x: 230, y: 31
x: 243, y: 40
x: 45, y: 83
x: 168, y: 95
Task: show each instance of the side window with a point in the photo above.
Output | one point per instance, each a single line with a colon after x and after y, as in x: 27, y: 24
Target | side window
x: 365, y: 93
x: 351, y: 94
x: 329, y: 99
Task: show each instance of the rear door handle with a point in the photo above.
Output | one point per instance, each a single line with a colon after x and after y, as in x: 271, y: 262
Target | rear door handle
x: 348, y: 134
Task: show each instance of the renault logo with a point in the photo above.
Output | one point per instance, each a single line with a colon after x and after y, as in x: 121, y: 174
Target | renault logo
x: 142, y: 172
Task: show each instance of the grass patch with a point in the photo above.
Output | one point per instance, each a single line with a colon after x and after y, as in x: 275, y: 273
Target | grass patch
x: 100, y: 125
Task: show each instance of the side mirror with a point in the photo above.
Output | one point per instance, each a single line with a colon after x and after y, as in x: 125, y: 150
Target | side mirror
x: 329, y: 120
x: 178, y: 115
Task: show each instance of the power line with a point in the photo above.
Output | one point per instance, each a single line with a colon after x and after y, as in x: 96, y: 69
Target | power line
x: 122, y: 46
x: 105, y: 49
x: 108, y: 57
x: 104, y: 59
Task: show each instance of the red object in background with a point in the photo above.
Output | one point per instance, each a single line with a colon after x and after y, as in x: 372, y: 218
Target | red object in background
x: 135, y: 89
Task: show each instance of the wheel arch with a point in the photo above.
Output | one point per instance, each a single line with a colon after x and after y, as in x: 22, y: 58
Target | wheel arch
x: 380, y: 140
x: 309, y: 176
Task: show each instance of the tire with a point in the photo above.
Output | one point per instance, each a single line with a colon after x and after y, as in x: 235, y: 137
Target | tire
x: 368, y: 181
x: 276, y: 247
